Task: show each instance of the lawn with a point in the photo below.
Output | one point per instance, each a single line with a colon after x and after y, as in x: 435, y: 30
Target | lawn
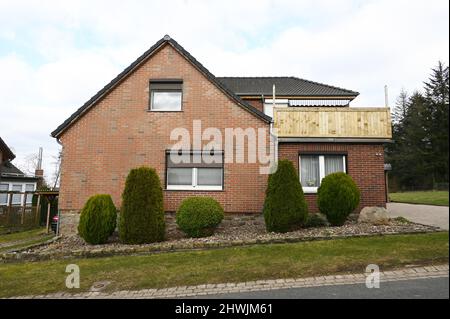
x: 228, y: 264
x: 427, y: 197
x: 23, y: 239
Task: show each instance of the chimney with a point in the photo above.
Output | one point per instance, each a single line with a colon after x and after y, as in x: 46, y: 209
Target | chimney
x: 39, y: 172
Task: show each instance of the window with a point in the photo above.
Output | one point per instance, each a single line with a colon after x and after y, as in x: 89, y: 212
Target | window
x: 4, y: 196
x: 16, y: 198
x: 313, y: 168
x: 166, y: 95
x: 195, y: 170
x: 29, y: 188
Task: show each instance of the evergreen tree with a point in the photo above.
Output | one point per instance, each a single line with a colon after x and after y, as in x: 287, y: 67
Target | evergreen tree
x: 401, y: 107
x: 419, y: 154
x: 437, y: 101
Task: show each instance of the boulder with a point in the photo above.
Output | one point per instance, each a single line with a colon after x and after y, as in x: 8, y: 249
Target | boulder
x: 374, y: 216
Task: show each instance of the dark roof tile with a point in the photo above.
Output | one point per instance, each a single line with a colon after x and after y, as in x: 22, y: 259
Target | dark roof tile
x: 284, y: 86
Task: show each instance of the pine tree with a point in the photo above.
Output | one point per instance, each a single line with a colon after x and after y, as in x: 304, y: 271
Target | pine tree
x: 437, y: 103
x: 401, y: 107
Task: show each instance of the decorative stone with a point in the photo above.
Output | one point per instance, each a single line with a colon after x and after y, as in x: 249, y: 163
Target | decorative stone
x: 374, y: 216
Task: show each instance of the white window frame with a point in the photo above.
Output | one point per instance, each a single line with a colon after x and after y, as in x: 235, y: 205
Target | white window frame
x: 23, y: 189
x: 313, y: 190
x: 164, y: 109
x: 194, y: 185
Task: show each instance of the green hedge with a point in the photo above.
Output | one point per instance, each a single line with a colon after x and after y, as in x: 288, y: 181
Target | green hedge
x: 97, y: 219
x: 142, y: 214
x: 199, y: 216
x: 285, y: 207
x: 337, y: 197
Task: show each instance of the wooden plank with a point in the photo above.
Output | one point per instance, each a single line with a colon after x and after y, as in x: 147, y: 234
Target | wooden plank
x: 338, y: 122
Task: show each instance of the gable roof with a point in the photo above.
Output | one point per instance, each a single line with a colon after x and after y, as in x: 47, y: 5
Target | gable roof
x: 119, y: 78
x: 8, y: 168
x: 6, y: 151
x: 284, y: 86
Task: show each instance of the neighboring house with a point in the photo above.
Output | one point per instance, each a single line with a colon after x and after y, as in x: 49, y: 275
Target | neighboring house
x: 13, y: 179
x: 128, y: 124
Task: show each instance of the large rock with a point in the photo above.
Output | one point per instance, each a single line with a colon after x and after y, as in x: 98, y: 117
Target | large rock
x: 374, y: 216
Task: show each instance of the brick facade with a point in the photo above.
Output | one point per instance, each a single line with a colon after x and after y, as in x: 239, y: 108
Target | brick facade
x: 365, y: 164
x: 256, y: 103
x: 119, y: 134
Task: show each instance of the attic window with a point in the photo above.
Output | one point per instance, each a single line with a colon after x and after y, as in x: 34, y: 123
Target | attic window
x: 166, y: 95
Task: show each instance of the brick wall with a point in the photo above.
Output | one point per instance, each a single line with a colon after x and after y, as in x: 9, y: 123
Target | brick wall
x: 256, y: 103
x: 119, y: 133
x: 363, y: 165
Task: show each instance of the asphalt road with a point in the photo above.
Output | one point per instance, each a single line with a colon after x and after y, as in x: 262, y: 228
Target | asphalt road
x: 432, y: 288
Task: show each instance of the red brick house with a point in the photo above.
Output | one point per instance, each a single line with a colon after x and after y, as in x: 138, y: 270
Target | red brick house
x: 129, y: 123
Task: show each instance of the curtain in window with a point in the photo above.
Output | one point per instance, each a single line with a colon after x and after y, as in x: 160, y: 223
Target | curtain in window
x: 209, y: 176
x: 333, y: 164
x: 309, y: 171
x: 179, y: 176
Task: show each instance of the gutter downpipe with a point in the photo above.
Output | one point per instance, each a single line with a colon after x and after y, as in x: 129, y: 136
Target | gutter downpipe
x: 274, y: 135
x: 58, y: 225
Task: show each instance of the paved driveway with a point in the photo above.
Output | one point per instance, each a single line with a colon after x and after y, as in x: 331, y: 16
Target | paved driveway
x: 422, y: 214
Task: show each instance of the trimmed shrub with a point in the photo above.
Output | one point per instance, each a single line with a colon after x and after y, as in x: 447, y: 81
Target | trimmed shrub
x: 315, y: 220
x: 199, y: 216
x: 97, y: 219
x: 285, y: 207
x: 337, y: 197
x: 141, y: 218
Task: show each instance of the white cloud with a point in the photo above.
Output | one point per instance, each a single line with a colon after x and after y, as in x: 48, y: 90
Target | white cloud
x: 54, y: 55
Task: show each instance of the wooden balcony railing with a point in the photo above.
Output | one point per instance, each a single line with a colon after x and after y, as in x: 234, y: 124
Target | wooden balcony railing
x: 333, y: 122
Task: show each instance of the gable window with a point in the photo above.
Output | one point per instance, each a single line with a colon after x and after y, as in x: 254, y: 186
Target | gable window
x: 166, y: 95
x: 196, y: 170
x: 313, y: 168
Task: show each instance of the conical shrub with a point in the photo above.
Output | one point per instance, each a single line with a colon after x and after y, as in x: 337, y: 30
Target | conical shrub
x: 142, y: 214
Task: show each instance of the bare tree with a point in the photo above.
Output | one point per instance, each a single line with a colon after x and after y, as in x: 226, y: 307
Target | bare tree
x: 57, y: 169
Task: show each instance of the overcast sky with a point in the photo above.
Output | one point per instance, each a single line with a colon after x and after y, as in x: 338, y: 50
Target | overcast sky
x: 54, y: 55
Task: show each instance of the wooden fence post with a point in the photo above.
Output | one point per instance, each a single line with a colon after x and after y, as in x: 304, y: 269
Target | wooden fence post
x: 24, y: 200
x: 38, y: 210
x: 48, y: 214
x: 8, y: 211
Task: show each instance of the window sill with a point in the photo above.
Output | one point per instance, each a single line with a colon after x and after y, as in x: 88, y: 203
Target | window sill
x: 310, y: 190
x: 192, y: 189
x: 164, y: 111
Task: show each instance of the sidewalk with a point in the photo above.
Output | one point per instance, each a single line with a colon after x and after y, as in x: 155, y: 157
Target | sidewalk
x: 260, y: 285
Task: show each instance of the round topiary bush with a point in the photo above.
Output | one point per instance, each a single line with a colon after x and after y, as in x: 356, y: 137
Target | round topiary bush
x: 141, y: 217
x: 199, y: 216
x: 337, y: 197
x: 97, y: 219
x: 285, y: 207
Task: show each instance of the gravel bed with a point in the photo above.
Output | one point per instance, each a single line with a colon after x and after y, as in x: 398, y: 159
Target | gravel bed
x: 231, y: 236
